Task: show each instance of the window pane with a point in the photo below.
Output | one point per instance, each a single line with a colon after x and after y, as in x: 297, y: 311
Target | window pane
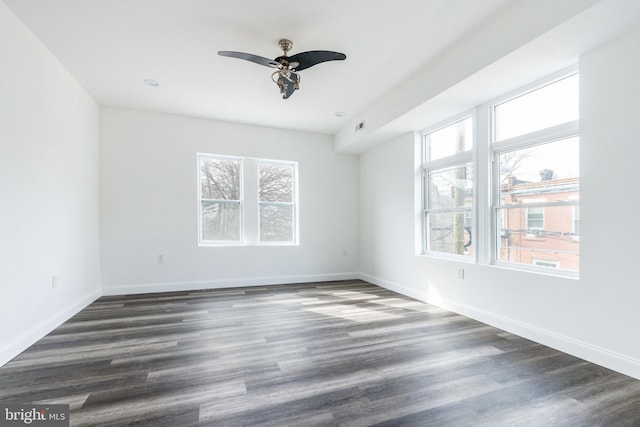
x: 276, y: 182
x: 276, y: 223
x: 549, y: 172
x: 449, y: 233
x: 535, y: 218
x: 220, y: 179
x: 551, y: 105
x: 451, y: 188
x: 453, y: 139
x: 220, y: 221
x: 556, y: 244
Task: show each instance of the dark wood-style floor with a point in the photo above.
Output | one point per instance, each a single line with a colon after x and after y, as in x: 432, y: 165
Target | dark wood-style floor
x: 324, y: 354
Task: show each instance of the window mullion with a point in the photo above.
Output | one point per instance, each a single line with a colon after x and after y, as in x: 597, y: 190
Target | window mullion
x: 450, y: 161
x: 482, y: 185
x: 538, y: 204
x: 543, y: 136
x: 453, y: 209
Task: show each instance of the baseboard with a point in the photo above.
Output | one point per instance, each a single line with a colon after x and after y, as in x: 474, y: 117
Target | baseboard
x: 404, y: 290
x: 143, y: 288
x: 16, y: 347
x: 592, y: 353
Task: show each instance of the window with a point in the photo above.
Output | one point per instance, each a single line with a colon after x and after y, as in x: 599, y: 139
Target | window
x: 220, y: 199
x: 535, y: 152
x: 542, y: 263
x: 511, y: 196
x: 450, y: 140
x: 535, y: 219
x: 246, y: 201
x: 277, y: 201
x: 448, y: 189
x: 543, y: 108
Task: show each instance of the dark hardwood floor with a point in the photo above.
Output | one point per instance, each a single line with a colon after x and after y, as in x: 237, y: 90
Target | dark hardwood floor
x: 324, y: 354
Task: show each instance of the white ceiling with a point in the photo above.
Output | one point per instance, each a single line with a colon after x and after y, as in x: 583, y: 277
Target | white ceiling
x: 112, y: 46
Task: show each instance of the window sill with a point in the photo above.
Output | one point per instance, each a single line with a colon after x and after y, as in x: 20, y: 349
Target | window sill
x: 245, y: 245
x: 450, y: 257
x: 531, y: 269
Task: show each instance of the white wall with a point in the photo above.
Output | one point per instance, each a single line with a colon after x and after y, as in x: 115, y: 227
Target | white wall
x: 149, y: 205
x: 48, y: 191
x: 595, y: 317
x: 610, y: 156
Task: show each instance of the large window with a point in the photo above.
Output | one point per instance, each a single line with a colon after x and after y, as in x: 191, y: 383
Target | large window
x: 448, y: 189
x: 246, y: 201
x: 511, y: 196
x: 535, y: 151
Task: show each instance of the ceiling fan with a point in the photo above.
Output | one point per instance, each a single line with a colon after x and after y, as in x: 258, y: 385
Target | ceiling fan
x: 287, y: 74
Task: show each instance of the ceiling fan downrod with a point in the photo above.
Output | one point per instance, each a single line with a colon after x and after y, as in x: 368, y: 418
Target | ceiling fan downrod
x: 286, y: 71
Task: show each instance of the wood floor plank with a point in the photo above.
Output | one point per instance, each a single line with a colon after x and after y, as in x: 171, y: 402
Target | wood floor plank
x: 319, y: 354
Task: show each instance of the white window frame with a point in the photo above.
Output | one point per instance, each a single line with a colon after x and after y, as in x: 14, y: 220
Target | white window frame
x: 444, y: 163
x: 484, y: 157
x: 575, y: 219
x: 249, y: 202
x: 293, y: 204
x: 529, y: 140
x: 240, y: 202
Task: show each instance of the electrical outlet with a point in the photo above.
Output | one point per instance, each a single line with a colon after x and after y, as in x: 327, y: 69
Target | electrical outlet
x: 461, y: 273
x: 345, y: 252
x: 160, y: 258
x: 54, y: 281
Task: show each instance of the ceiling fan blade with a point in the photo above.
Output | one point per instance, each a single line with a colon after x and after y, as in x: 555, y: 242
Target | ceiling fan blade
x: 249, y: 57
x: 313, y: 57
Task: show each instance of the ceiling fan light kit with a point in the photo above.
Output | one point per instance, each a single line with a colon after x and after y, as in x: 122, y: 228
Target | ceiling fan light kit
x: 287, y: 74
